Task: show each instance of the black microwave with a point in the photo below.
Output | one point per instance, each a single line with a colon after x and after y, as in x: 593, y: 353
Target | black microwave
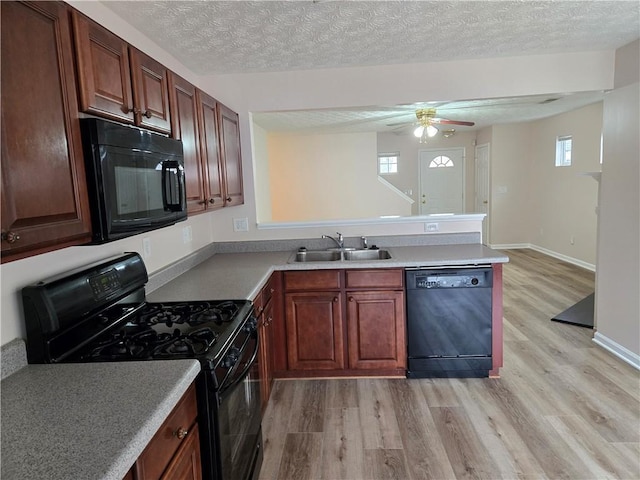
x: 135, y: 179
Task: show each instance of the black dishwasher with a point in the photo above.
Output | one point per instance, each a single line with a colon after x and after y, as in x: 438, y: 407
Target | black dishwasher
x: 449, y: 322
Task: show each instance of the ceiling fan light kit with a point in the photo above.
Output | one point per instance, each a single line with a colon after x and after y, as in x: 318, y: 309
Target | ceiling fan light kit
x: 426, y: 129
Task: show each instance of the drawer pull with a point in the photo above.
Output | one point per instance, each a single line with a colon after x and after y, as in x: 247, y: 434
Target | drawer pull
x: 180, y: 433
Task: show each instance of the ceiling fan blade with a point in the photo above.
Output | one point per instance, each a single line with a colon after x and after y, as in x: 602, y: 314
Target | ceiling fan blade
x: 400, y: 123
x: 444, y: 121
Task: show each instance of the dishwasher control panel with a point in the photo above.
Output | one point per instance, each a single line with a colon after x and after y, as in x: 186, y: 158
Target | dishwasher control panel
x: 456, y: 279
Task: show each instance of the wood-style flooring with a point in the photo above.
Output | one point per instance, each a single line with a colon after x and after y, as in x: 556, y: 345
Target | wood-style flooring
x: 563, y: 408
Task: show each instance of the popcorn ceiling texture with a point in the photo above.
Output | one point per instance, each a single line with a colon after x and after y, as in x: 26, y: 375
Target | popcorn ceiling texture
x: 232, y: 37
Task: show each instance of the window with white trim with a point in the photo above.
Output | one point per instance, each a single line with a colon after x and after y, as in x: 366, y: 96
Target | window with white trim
x: 388, y: 163
x: 563, y: 151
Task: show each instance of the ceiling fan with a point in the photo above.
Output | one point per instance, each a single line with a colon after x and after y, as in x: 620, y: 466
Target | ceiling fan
x: 427, y: 122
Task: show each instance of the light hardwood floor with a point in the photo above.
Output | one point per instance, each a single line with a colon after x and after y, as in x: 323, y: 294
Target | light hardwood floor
x: 563, y: 408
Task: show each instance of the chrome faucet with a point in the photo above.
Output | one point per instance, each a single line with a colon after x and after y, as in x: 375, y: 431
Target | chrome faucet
x: 339, y: 241
x: 364, y: 242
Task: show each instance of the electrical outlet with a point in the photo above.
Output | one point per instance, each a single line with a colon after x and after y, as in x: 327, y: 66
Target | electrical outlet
x: 572, y: 240
x: 431, y: 227
x: 187, y: 236
x: 146, y: 247
x: 241, y: 224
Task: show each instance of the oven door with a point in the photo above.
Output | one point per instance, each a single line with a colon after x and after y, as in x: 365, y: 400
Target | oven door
x: 239, y: 416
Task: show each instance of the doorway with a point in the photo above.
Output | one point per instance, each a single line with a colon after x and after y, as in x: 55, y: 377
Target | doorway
x: 441, y: 181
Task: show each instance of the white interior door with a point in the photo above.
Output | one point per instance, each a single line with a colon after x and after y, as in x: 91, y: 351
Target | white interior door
x: 441, y: 181
x: 482, y: 187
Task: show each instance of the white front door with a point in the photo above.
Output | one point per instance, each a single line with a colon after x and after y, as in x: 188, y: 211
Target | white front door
x: 482, y: 188
x: 441, y: 181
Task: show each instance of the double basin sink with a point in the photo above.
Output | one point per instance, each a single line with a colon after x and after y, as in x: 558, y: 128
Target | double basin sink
x: 334, y: 255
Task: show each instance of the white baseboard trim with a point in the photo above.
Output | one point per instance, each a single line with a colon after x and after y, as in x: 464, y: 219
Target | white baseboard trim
x: 509, y: 246
x: 618, y: 350
x: 574, y: 261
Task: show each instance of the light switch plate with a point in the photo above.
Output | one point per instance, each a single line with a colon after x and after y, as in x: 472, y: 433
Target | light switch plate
x: 241, y: 224
x: 187, y: 235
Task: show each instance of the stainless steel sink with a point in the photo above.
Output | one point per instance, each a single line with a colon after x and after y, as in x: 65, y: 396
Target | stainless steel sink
x: 333, y: 255
x: 318, y: 256
x: 364, y: 255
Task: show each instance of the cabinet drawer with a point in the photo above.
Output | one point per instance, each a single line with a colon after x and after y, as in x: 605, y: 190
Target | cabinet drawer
x: 313, y: 280
x: 375, y: 278
x: 162, y: 447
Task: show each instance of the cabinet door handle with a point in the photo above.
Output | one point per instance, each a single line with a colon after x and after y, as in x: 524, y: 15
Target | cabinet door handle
x: 147, y: 113
x: 228, y: 199
x: 335, y: 299
x: 271, y: 290
x: 351, y: 299
x: 269, y: 320
x: 10, y: 237
x: 180, y: 433
x: 212, y: 201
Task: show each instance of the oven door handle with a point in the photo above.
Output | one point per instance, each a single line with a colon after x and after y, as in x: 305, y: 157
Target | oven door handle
x: 241, y: 376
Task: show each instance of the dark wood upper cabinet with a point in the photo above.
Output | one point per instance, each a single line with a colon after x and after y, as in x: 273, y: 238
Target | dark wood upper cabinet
x: 231, y: 156
x: 44, y: 197
x: 104, y: 75
x: 118, y: 81
x: 210, y: 150
x: 150, y: 91
x: 184, y: 125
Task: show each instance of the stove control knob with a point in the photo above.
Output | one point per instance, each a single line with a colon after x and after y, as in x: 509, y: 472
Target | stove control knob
x: 231, y: 357
x: 251, y: 325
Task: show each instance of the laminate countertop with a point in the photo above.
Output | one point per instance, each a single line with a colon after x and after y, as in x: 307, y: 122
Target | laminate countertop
x: 227, y: 276
x: 86, y: 421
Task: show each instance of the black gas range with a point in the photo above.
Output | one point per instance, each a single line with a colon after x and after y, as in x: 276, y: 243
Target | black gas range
x: 99, y: 313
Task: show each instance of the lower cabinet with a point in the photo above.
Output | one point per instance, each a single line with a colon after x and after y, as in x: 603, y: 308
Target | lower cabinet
x: 314, y: 330
x: 174, y: 451
x: 345, y: 322
x: 376, y: 330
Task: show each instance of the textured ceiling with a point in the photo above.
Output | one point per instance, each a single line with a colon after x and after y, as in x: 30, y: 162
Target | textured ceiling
x: 237, y: 36
x: 401, y: 119
x: 216, y: 37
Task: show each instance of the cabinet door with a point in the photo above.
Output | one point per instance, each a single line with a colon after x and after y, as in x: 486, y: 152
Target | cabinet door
x: 231, y: 157
x: 210, y: 150
x: 104, y: 75
x: 314, y: 331
x: 186, y: 465
x: 44, y: 197
x: 184, y: 126
x: 150, y: 81
x: 376, y: 330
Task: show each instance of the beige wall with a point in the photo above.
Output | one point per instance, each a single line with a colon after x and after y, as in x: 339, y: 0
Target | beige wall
x: 409, y: 148
x: 325, y: 177
x: 261, y: 169
x: 563, y: 199
x: 618, y: 261
x: 511, y: 187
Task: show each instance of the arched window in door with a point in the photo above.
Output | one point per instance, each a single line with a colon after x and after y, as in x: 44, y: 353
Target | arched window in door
x: 441, y: 161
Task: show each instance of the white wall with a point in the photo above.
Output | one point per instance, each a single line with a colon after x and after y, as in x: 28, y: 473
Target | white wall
x: 618, y: 260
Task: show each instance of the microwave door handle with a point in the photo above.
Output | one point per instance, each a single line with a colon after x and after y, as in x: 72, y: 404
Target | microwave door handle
x: 172, y: 186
